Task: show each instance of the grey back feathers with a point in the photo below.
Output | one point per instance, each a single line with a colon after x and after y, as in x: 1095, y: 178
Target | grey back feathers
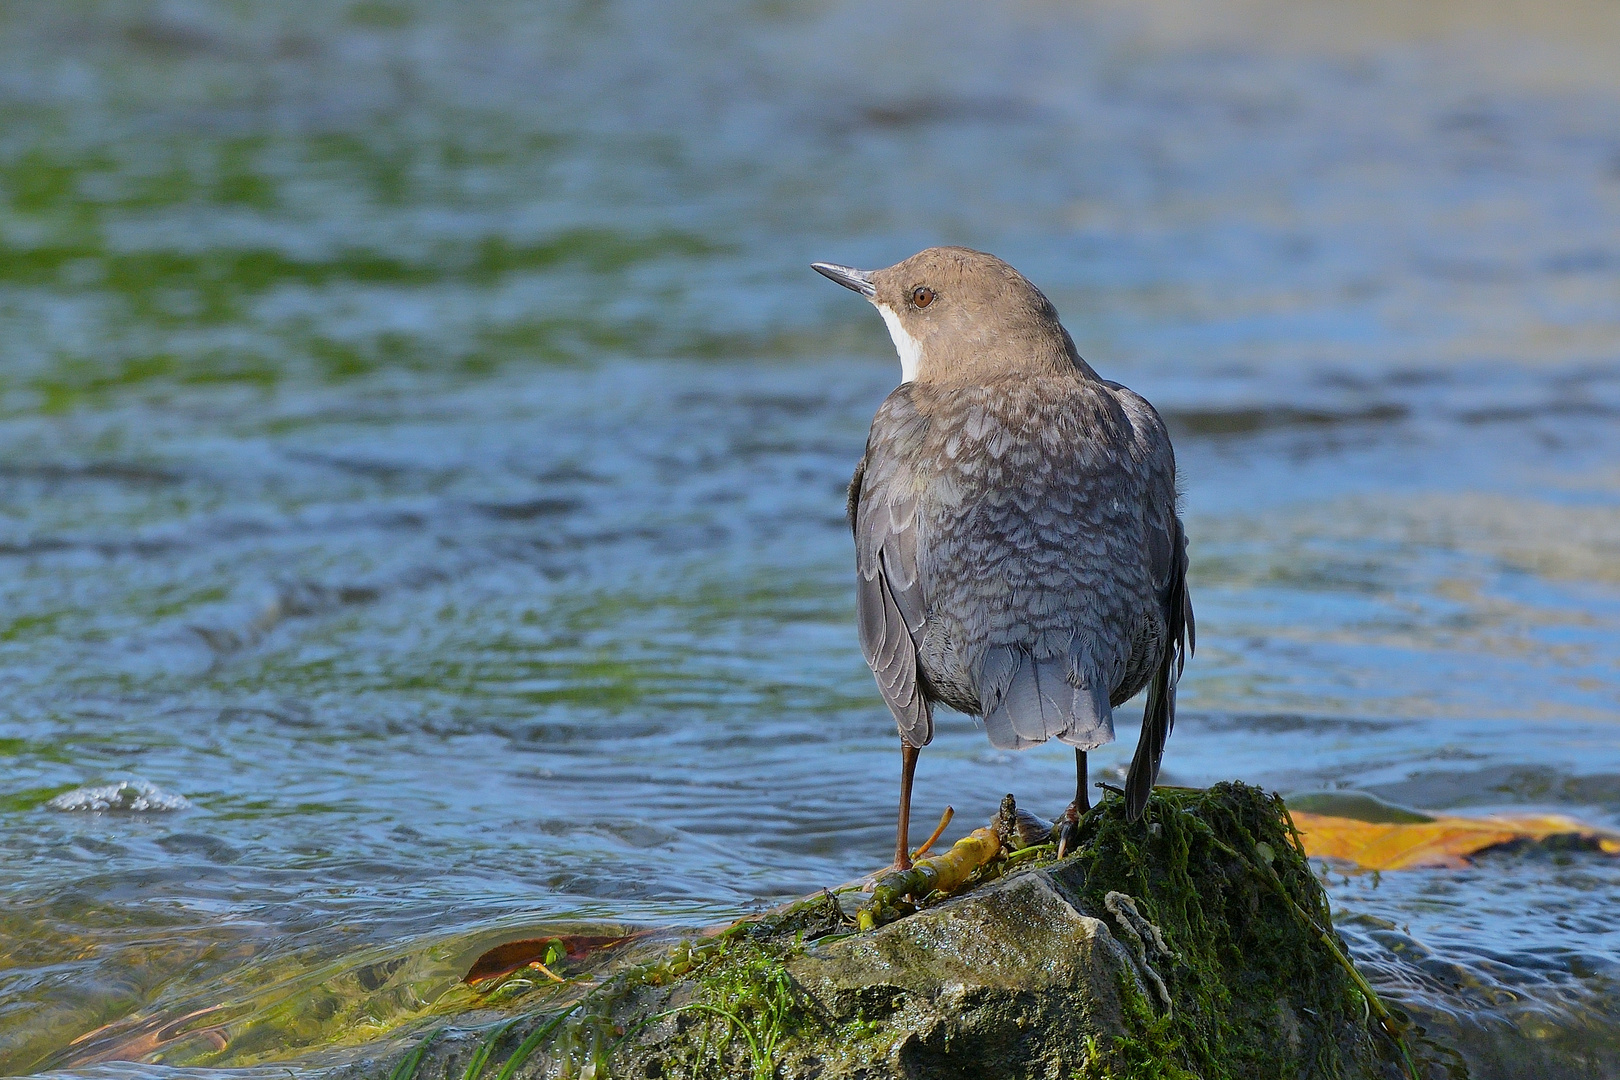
x: 1018, y: 552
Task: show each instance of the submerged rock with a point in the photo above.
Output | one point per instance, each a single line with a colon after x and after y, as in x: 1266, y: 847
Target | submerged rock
x: 1192, y: 943
x: 1007, y: 981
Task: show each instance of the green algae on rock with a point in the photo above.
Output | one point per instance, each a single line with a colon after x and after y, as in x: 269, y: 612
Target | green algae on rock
x: 1189, y: 944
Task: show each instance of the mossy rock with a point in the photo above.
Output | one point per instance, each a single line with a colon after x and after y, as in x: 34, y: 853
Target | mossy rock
x: 1178, y: 946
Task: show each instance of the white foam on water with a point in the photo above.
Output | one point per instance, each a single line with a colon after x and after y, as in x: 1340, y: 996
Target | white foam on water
x: 134, y: 796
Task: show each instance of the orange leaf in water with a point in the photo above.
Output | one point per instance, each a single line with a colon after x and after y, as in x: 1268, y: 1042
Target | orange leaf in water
x: 1404, y: 840
x: 123, y: 1040
x: 509, y: 957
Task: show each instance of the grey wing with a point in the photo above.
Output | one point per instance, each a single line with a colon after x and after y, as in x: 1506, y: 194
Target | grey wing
x: 1159, y: 715
x: 889, y: 601
x: 1168, y: 547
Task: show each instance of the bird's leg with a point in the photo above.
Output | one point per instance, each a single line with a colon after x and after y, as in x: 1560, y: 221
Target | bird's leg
x: 902, y: 839
x: 1069, y: 833
x: 1082, y: 798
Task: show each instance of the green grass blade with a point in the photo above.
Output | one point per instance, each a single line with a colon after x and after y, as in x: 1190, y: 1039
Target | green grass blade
x: 406, y: 1069
x: 481, y: 1056
x: 529, y: 1045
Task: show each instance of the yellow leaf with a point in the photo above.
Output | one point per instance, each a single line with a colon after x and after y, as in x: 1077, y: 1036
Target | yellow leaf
x: 1436, y: 842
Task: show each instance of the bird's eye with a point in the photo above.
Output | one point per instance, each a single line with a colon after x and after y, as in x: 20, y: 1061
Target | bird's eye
x: 922, y: 296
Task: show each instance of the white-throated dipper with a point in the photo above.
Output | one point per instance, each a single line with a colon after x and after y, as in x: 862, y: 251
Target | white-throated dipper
x: 1018, y: 551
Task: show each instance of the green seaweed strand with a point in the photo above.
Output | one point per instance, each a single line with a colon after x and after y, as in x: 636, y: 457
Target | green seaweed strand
x: 1034, y: 851
x: 770, y: 998
x: 408, y: 1065
x: 481, y: 1056
x: 763, y: 1063
x: 1267, y: 874
x: 1182, y: 864
x: 528, y: 1045
x: 1385, y: 1018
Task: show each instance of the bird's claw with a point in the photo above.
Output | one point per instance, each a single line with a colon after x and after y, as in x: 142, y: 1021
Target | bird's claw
x: 899, y: 865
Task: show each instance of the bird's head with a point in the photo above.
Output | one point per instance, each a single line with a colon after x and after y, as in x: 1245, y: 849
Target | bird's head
x: 959, y: 315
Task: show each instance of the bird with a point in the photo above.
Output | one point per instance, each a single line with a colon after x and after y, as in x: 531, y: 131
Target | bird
x: 1019, y: 548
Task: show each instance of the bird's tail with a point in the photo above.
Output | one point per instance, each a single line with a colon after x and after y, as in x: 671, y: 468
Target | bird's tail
x: 1027, y: 701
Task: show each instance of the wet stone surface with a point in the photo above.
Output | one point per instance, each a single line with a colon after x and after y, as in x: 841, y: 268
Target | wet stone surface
x: 1049, y: 972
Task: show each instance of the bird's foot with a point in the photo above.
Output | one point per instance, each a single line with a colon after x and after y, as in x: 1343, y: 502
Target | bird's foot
x: 870, y: 881
x: 1068, y: 829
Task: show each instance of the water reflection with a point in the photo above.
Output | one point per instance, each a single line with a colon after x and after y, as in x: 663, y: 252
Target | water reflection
x: 422, y: 448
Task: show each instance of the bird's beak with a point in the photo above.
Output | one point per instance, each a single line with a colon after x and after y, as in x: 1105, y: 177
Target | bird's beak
x: 848, y: 277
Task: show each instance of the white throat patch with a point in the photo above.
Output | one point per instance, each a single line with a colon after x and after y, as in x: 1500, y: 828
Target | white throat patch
x: 904, y: 344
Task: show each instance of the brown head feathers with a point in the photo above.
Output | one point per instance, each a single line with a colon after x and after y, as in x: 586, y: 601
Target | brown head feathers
x: 962, y: 316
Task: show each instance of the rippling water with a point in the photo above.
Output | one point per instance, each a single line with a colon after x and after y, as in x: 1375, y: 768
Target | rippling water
x: 422, y: 448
